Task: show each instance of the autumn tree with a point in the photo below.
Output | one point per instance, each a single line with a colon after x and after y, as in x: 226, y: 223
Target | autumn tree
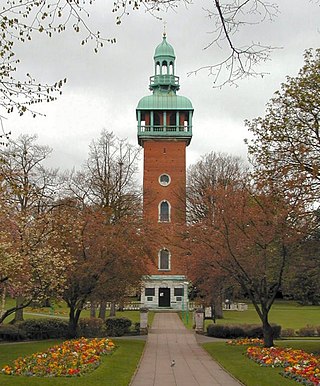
x: 212, y: 171
x: 252, y: 239
x: 28, y: 193
x: 108, y: 257
x: 285, y: 144
x: 106, y: 184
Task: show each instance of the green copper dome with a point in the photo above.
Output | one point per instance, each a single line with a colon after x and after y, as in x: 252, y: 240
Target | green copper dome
x: 164, y: 102
x: 164, y: 49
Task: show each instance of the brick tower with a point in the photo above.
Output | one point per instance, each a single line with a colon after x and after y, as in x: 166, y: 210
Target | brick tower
x: 164, y: 132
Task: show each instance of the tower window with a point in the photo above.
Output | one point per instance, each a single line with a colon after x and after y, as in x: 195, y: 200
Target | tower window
x: 164, y: 68
x: 156, y: 119
x: 164, y: 180
x: 172, y: 118
x: 157, y: 68
x: 164, y: 211
x: 164, y: 260
x: 171, y: 71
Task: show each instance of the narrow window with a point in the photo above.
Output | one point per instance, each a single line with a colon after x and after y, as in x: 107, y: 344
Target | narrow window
x: 164, y: 211
x: 164, y: 259
x: 156, y: 119
x: 171, y: 71
x: 164, y: 68
x: 157, y: 68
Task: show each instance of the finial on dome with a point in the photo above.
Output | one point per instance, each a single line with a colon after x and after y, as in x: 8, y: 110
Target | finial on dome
x: 164, y: 29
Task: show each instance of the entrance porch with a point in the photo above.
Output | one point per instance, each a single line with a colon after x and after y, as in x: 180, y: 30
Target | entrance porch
x: 165, y: 292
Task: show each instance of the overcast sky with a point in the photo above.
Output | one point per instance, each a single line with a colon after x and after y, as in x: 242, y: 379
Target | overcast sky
x: 103, y: 89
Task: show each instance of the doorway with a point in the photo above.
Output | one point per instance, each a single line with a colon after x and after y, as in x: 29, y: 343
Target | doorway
x: 164, y: 297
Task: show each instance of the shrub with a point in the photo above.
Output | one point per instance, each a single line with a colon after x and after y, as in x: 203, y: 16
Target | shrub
x: 137, y: 327
x: 50, y: 328
x: 218, y: 330
x: 117, y: 326
x: 307, y: 331
x: 11, y: 332
x: 91, y: 327
x: 230, y: 331
x: 287, y: 332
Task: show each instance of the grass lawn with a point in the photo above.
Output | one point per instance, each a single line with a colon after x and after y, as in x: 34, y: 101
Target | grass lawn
x: 115, y: 370
x: 61, y: 310
x: 232, y: 358
x: 288, y: 314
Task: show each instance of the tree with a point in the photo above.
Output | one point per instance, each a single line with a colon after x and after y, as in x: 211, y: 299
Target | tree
x: 211, y: 171
x: 214, y: 170
x: 302, y: 279
x: 28, y: 193
x: 108, y: 257
x: 19, y: 22
x: 106, y: 187
x: 285, y: 148
x: 107, y: 178
x: 252, y: 239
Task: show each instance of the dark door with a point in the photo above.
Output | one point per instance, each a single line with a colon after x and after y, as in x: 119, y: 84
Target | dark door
x: 164, y: 297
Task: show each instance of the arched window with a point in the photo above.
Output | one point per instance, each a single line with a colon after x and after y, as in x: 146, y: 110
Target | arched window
x: 171, y: 68
x: 164, y: 260
x: 164, y: 211
x: 157, y: 68
x: 164, y: 69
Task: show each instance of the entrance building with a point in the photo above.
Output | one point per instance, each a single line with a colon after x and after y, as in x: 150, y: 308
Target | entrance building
x: 164, y: 131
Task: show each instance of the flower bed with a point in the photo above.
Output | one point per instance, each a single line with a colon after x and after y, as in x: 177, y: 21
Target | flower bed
x: 298, y: 365
x: 246, y: 342
x: 69, y: 359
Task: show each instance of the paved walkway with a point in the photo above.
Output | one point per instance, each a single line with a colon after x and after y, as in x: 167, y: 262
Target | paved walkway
x: 169, y: 340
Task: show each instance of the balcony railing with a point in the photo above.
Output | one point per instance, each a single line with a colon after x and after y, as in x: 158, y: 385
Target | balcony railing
x: 165, y: 129
x: 164, y: 79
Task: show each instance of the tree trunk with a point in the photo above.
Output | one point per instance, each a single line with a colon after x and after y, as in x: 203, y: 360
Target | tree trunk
x: 112, y: 309
x: 74, y: 316
x: 102, y: 310
x: 93, y: 309
x: 267, y: 332
x: 3, y: 300
x: 18, y: 315
x: 218, y: 306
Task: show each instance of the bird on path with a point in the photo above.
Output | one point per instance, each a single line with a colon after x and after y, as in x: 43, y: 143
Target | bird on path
x: 173, y: 362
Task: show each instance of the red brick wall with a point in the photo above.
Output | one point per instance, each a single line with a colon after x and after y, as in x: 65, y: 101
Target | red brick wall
x: 165, y: 157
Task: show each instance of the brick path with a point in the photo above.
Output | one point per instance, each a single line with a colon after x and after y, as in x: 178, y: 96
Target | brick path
x: 169, y: 340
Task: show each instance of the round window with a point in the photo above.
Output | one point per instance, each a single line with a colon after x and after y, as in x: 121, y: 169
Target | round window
x: 164, y: 179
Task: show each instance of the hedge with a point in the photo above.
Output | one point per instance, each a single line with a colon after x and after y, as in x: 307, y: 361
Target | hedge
x: 117, y: 326
x: 229, y: 331
x: 48, y: 328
